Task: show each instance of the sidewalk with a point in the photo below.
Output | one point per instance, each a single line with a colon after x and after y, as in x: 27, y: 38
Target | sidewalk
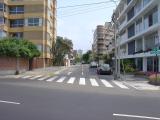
x: 139, y: 83
x: 49, y: 71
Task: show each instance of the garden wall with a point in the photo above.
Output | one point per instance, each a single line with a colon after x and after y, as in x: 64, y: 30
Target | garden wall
x: 8, y: 65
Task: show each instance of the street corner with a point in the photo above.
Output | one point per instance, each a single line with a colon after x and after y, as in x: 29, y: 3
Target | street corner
x: 142, y: 85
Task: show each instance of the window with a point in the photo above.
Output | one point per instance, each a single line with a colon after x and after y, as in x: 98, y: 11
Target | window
x: 17, y: 23
x: 145, y: 2
x: 130, y: 14
x: 139, y: 64
x: 17, y: 10
x: 138, y: 6
x: 2, y: 20
x: 139, y: 26
x: 39, y: 47
x: 33, y: 21
x: 128, y: 1
x: 131, y: 31
x: 3, y: 33
x: 131, y: 48
x: 17, y: 35
x: 151, y: 18
x: 1, y: 6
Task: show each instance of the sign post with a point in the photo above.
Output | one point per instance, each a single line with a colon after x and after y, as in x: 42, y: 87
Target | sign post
x: 156, y: 51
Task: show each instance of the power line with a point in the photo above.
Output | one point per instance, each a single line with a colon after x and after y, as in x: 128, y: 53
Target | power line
x: 80, y: 5
x: 86, y: 12
x: 74, y: 11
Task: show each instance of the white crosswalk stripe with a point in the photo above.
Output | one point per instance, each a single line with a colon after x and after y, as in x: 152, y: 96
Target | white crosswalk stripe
x: 71, y: 80
x: 69, y: 73
x: 43, y: 78
x: 106, y: 83
x: 82, y: 81
x: 94, y: 82
x: 120, y: 84
x: 38, y: 76
x: 24, y: 77
x: 61, y: 79
x: 52, y: 79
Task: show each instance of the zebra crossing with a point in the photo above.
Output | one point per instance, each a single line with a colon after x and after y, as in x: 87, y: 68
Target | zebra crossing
x: 80, y: 81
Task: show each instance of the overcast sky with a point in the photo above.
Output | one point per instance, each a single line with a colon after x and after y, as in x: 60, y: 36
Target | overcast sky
x: 79, y: 23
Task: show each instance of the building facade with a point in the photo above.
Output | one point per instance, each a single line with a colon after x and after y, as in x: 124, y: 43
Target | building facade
x: 138, y: 32
x: 102, y: 40
x: 33, y: 20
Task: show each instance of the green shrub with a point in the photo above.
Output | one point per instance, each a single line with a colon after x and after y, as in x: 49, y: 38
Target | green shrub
x: 13, y: 47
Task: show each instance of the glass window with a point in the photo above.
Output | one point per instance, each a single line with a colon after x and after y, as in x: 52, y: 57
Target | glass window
x: 17, y: 10
x: 17, y: 23
x: 39, y: 47
x: 131, y: 48
x: 139, y: 26
x: 145, y: 2
x: 1, y: 7
x: 3, y: 33
x: 131, y: 31
x: 1, y: 20
x: 130, y: 14
x: 17, y: 34
x: 33, y: 21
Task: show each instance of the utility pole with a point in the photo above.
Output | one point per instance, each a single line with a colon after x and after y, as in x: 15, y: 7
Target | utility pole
x: 117, y: 49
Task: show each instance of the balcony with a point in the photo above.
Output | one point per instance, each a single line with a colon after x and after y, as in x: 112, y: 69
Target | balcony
x: 143, y: 11
x: 22, y: 2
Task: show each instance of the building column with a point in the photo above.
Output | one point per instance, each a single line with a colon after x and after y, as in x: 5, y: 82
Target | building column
x: 145, y: 64
x: 158, y: 64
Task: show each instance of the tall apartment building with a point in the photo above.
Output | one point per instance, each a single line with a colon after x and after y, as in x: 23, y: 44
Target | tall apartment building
x: 102, y: 39
x: 33, y: 20
x: 138, y: 32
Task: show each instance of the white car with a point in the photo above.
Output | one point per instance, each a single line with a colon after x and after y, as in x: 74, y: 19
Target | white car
x: 93, y: 64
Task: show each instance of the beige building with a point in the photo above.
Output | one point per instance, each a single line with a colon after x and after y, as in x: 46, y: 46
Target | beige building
x: 102, y: 40
x: 33, y: 20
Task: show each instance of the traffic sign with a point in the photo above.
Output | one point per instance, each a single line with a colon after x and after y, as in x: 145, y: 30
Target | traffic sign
x: 155, y: 51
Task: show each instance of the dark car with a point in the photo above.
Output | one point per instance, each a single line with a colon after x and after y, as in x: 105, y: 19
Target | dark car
x: 104, y: 69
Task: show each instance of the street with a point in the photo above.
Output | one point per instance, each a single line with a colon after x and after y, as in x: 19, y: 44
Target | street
x: 75, y: 95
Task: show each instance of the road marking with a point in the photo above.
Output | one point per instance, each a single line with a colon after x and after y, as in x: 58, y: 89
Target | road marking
x: 38, y: 76
x: 61, y: 79
x: 69, y: 73
x: 136, y: 116
x: 71, y: 80
x: 106, y: 83
x: 94, y: 82
x: 9, y: 102
x: 120, y: 84
x: 43, y: 78
x: 26, y: 77
x: 82, y: 81
x: 51, y: 79
x: 82, y: 70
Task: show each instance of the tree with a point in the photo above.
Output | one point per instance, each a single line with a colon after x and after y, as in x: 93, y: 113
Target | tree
x: 87, y: 56
x: 19, y: 48
x: 62, y: 47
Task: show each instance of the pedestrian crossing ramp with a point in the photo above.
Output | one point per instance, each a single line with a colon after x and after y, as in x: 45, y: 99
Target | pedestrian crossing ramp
x: 78, y: 81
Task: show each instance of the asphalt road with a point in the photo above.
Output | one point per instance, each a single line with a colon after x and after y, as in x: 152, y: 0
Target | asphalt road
x: 24, y: 99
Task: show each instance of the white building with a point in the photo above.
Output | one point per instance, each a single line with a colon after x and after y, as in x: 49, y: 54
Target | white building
x: 138, y: 32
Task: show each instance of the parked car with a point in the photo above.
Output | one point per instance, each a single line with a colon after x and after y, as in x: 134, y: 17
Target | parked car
x: 93, y: 64
x: 104, y: 69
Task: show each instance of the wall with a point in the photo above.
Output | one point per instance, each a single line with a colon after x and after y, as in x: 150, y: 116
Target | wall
x: 8, y: 65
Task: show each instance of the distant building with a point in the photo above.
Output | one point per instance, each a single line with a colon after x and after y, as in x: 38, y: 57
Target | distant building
x: 80, y: 53
x: 102, y: 39
x: 138, y: 32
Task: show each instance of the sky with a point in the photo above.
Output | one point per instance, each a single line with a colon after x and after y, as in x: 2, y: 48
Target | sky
x: 79, y: 23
